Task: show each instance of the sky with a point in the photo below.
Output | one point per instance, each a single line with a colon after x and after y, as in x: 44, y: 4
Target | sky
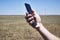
x: 17, y: 7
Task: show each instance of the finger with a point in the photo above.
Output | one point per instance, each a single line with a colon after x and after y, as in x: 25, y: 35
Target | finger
x: 27, y: 13
x: 31, y: 22
x: 33, y: 13
x: 31, y: 18
x: 28, y: 16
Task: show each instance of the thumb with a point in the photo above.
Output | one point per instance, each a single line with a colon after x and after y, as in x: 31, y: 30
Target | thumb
x: 34, y: 13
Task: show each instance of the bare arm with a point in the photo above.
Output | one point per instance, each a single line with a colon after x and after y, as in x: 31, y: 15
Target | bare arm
x: 34, y: 17
x: 45, y: 33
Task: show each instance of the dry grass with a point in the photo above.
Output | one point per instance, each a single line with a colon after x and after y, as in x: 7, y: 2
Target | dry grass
x: 16, y: 28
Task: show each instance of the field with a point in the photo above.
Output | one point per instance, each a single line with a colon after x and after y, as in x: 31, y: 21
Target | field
x: 16, y: 28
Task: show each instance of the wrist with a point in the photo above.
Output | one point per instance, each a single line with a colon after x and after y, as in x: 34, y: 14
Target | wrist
x: 38, y: 25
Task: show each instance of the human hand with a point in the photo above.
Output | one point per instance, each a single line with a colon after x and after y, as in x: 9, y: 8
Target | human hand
x: 34, y: 17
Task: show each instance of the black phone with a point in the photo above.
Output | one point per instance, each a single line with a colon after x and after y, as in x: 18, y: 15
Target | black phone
x: 29, y: 9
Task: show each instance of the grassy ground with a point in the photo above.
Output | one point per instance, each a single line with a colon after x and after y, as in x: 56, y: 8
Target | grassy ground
x: 16, y: 28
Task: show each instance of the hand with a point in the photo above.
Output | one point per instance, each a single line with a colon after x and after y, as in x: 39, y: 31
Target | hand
x: 34, y: 17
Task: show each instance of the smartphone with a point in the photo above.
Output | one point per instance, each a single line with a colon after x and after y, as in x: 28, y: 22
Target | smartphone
x: 29, y: 9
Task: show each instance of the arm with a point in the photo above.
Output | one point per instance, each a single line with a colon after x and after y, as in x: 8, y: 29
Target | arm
x: 34, y: 17
x: 45, y: 33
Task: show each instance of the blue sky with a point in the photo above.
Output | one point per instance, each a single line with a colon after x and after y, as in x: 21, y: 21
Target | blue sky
x: 42, y: 7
